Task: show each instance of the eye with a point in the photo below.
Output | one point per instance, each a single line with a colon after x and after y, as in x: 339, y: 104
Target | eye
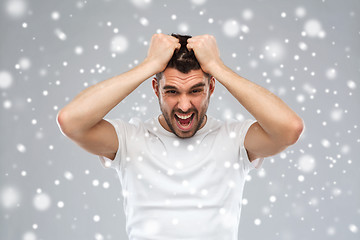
x: 170, y: 92
x: 196, y: 91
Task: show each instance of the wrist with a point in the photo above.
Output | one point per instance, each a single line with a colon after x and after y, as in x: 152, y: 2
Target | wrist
x: 154, y: 65
x: 150, y: 66
x: 215, y: 69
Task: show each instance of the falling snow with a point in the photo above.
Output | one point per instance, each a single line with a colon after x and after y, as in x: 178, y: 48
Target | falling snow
x: 307, y: 53
x: 10, y: 197
x: 300, y: 12
x: 29, y: 236
x: 42, y: 201
x: 6, y: 79
x: 248, y: 14
x: 15, y: 8
x: 313, y: 28
x: 141, y: 3
x: 274, y: 51
x: 306, y: 163
x: 231, y: 28
x: 119, y: 44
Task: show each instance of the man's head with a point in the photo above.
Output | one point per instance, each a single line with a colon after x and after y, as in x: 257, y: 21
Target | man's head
x: 183, y: 60
x: 184, y: 92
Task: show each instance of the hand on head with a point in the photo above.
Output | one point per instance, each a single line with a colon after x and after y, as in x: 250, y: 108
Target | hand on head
x: 162, y: 48
x: 206, y: 51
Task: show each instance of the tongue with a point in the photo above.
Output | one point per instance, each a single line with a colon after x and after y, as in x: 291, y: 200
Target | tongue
x: 184, y: 121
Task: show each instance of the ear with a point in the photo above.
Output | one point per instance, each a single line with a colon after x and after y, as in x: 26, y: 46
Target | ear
x: 155, y: 86
x: 212, y: 85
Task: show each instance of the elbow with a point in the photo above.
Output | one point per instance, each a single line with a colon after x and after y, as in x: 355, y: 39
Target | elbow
x: 295, y: 130
x: 62, y: 120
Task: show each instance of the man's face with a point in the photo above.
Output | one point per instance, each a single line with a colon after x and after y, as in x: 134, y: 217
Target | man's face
x: 184, y: 99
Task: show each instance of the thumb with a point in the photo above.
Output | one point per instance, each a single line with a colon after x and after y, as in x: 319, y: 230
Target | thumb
x: 189, y: 46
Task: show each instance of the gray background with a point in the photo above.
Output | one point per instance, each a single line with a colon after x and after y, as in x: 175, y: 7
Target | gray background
x: 306, y: 52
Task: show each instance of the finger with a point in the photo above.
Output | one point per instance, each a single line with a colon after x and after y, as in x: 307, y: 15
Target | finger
x: 195, y: 38
x: 174, y: 39
x: 192, y: 39
x: 190, y: 43
x: 189, y: 46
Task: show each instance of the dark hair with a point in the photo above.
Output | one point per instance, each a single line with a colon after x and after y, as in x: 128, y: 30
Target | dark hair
x: 182, y: 60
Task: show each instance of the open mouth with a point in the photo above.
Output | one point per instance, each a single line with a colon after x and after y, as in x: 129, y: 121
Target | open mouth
x: 184, y: 121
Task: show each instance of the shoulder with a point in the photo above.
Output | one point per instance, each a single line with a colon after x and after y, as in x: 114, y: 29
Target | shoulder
x: 234, y: 129
x: 238, y: 127
x: 213, y: 123
x: 131, y: 126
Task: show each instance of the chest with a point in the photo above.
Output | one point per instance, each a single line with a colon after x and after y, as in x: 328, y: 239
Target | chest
x: 187, y: 171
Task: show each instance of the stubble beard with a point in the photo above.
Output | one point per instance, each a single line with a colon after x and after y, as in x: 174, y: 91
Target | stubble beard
x: 196, y: 113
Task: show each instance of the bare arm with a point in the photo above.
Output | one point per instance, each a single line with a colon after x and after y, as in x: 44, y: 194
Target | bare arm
x: 277, y: 125
x: 82, y: 119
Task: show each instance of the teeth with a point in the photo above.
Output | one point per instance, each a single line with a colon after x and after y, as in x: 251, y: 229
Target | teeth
x: 183, y: 125
x: 184, y: 117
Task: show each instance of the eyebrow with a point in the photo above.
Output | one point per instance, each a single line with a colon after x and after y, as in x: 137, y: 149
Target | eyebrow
x: 173, y: 87
x: 198, y: 85
x: 169, y: 87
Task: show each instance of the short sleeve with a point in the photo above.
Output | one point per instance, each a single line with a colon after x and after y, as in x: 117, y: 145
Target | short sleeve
x: 257, y: 163
x: 124, y: 131
x: 107, y: 162
x: 238, y: 131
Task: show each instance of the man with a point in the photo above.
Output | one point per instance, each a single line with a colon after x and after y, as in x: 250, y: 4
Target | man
x: 183, y: 172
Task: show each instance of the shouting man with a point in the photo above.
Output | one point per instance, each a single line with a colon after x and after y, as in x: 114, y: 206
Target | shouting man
x: 183, y: 172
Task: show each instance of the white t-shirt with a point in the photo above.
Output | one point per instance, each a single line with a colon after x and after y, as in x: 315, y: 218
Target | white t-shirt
x: 176, y: 188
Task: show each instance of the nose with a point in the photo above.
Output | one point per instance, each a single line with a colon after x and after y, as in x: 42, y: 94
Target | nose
x: 184, y: 103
